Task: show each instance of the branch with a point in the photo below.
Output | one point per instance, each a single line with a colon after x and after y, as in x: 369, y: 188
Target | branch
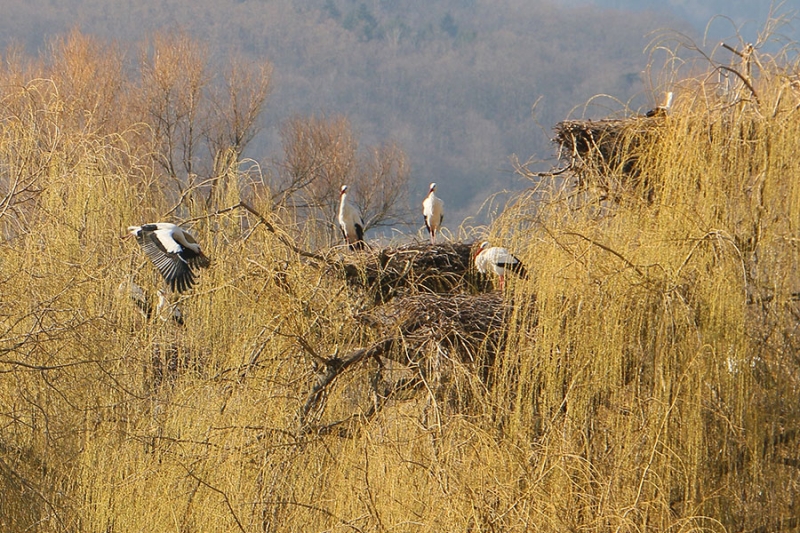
x: 267, y: 224
x: 607, y: 249
x: 744, y: 80
x: 30, y: 366
x: 312, y: 508
x: 221, y: 493
x: 335, y: 366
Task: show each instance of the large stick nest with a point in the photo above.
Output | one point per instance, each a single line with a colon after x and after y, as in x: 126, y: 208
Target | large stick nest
x: 411, y: 268
x: 604, y: 154
x: 418, y: 333
x: 463, y: 323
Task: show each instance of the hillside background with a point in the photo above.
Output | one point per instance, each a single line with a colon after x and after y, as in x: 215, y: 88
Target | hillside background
x: 452, y: 82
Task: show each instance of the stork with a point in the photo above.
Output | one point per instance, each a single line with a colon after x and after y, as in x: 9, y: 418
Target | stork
x: 137, y: 295
x: 433, y: 212
x: 498, y: 260
x: 167, y: 310
x: 173, y: 251
x: 661, y: 110
x: 350, y: 221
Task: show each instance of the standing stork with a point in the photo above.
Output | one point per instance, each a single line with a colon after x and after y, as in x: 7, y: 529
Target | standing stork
x: 173, y: 251
x: 498, y: 260
x: 661, y: 110
x: 433, y: 212
x: 350, y: 221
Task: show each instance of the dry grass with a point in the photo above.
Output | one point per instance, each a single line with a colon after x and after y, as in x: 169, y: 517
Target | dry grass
x: 644, y: 379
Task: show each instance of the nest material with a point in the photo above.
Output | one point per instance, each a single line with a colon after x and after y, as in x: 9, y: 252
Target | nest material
x: 433, y: 316
x: 461, y: 322
x: 415, y: 331
x: 604, y: 154
x: 440, y: 268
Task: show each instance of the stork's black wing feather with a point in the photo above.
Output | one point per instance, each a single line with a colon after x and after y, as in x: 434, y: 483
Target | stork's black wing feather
x: 516, y: 267
x: 174, y: 268
x: 359, y: 242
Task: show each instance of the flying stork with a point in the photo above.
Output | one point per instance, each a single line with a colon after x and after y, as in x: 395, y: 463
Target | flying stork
x: 498, y: 260
x: 433, y: 212
x: 173, y: 251
x: 350, y: 221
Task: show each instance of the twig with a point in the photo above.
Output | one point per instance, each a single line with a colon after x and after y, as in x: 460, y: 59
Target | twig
x: 550, y: 174
x: 607, y: 249
x: 335, y: 366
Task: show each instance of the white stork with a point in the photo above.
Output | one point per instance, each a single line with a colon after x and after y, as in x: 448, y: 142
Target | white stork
x: 137, y: 295
x: 498, y: 260
x: 167, y: 310
x: 173, y: 251
x: 350, y: 221
x: 433, y: 212
x: 661, y: 110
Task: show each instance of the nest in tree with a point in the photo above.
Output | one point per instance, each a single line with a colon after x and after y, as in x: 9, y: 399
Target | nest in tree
x: 440, y: 268
x: 604, y: 154
x: 462, y: 323
x: 426, y: 334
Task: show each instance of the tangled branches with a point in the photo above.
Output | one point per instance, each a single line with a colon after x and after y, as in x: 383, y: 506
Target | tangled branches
x: 420, y: 333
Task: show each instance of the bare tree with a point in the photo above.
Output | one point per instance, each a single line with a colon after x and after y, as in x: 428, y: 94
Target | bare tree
x: 235, y: 108
x: 319, y: 157
x: 174, y: 76
x: 321, y: 154
x: 88, y: 75
x: 200, y: 124
x: 383, y: 182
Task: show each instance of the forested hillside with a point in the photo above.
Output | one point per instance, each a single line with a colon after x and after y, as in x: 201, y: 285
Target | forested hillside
x: 728, y: 16
x: 453, y: 83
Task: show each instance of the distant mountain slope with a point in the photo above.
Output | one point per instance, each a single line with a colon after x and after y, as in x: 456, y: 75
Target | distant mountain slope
x: 453, y: 82
x: 746, y: 16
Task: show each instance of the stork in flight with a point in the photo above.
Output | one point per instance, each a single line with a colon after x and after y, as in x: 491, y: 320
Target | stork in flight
x: 433, y: 212
x: 173, y: 251
x: 350, y: 221
x: 498, y: 260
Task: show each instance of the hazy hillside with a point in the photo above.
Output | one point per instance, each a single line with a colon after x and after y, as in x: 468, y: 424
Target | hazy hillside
x: 453, y: 82
x: 729, y: 16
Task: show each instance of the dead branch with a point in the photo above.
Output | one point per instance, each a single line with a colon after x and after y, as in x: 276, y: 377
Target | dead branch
x: 468, y: 329
x: 334, y: 366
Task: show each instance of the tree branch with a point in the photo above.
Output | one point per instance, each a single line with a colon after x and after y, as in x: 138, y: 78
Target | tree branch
x: 335, y: 366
